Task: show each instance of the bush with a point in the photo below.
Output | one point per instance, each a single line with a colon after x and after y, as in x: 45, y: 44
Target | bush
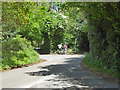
x: 18, y: 51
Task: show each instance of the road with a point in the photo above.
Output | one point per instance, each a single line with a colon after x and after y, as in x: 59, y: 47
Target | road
x: 59, y: 71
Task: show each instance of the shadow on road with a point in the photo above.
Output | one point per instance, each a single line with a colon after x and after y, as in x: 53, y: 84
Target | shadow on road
x: 72, y: 71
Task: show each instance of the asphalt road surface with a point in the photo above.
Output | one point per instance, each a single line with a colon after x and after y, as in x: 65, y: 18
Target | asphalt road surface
x: 59, y: 71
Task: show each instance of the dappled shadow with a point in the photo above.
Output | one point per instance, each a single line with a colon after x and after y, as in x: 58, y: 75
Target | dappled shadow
x: 74, y: 73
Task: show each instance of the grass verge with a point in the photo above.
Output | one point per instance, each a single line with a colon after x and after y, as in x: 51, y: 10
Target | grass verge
x: 22, y: 66
x: 100, y: 69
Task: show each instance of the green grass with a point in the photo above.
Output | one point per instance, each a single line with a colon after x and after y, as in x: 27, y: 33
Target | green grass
x: 97, y: 65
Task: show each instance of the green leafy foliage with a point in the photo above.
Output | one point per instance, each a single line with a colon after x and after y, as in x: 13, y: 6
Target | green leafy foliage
x: 76, y: 36
x: 17, y: 52
x: 14, y: 18
x: 103, y: 32
x: 97, y: 65
x: 103, y: 37
x: 36, y: 22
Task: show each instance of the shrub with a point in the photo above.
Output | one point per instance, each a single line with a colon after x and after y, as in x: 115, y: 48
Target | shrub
x: 16, y: 52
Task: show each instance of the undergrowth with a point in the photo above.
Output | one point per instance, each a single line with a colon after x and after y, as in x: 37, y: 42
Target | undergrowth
x: 17, y: 52
x: 98, y: 65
